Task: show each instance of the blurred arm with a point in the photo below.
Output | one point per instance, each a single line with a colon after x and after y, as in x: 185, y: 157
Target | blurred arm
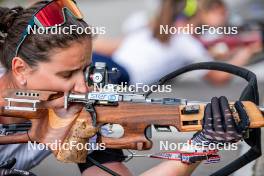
x: 241, y: 58
x: 171, y: 168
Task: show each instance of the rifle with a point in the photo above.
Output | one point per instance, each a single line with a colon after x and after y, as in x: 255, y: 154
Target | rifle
x: 127, y: 116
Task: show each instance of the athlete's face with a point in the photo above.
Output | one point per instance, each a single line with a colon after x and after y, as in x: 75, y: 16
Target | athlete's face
x: 64, y: 70
x: 215, y: 17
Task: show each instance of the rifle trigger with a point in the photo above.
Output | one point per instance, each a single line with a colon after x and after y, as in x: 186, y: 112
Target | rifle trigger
x: 90, y: 108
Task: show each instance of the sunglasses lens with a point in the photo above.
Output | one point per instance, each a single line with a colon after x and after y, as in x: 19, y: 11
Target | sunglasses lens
x: 70, y: 5
x: 52, y: 14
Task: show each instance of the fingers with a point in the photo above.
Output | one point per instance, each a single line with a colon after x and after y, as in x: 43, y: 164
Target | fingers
x: 208, y: 128
x: 229, y: 121
x: 208, y: 120
x: 243, y: 125
x: 225, y: 112
x: 217, y: 116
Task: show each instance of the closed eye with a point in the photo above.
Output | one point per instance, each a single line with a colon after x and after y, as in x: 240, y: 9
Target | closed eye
x: 66, y: 75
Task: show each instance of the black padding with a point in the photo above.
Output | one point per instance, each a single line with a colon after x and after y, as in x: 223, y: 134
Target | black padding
x: 249, y: 76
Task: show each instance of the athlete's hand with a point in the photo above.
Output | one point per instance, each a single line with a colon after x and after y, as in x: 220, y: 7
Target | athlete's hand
x: 219, y: 125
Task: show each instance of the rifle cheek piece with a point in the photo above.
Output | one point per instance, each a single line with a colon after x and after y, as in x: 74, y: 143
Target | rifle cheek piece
x: 79, y: 135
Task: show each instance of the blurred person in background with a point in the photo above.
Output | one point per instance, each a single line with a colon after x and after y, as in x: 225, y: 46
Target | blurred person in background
x: 147, y: 54
x: 234, y: 46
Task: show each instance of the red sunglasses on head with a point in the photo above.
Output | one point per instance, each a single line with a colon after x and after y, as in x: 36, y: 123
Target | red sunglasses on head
x: 52, y: 14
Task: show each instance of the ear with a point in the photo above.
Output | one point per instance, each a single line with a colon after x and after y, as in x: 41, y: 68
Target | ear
x: 21, y: 70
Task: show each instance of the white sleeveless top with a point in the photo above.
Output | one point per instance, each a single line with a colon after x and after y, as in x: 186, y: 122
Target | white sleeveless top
x: 147, y: 60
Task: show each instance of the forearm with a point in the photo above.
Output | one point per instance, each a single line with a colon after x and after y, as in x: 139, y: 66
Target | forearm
x: 239, y: 59
x: 217, y: 78
x: 171, y: 168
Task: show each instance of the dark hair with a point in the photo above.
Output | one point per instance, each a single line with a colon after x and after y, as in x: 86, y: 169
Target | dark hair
x: 36, y: 47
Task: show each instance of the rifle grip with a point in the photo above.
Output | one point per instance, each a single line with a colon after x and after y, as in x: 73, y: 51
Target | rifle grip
x: 79, y: 134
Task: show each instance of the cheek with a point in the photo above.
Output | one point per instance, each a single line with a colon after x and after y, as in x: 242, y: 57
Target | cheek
x: 49, y: 82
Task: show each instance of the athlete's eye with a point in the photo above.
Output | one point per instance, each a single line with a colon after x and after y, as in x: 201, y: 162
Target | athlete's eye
x: 66, y: 75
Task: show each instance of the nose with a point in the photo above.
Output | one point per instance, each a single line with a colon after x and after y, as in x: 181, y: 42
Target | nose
x: 80, y: 85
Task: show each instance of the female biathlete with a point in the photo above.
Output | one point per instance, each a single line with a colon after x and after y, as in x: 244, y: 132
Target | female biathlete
x: 55, y: 62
